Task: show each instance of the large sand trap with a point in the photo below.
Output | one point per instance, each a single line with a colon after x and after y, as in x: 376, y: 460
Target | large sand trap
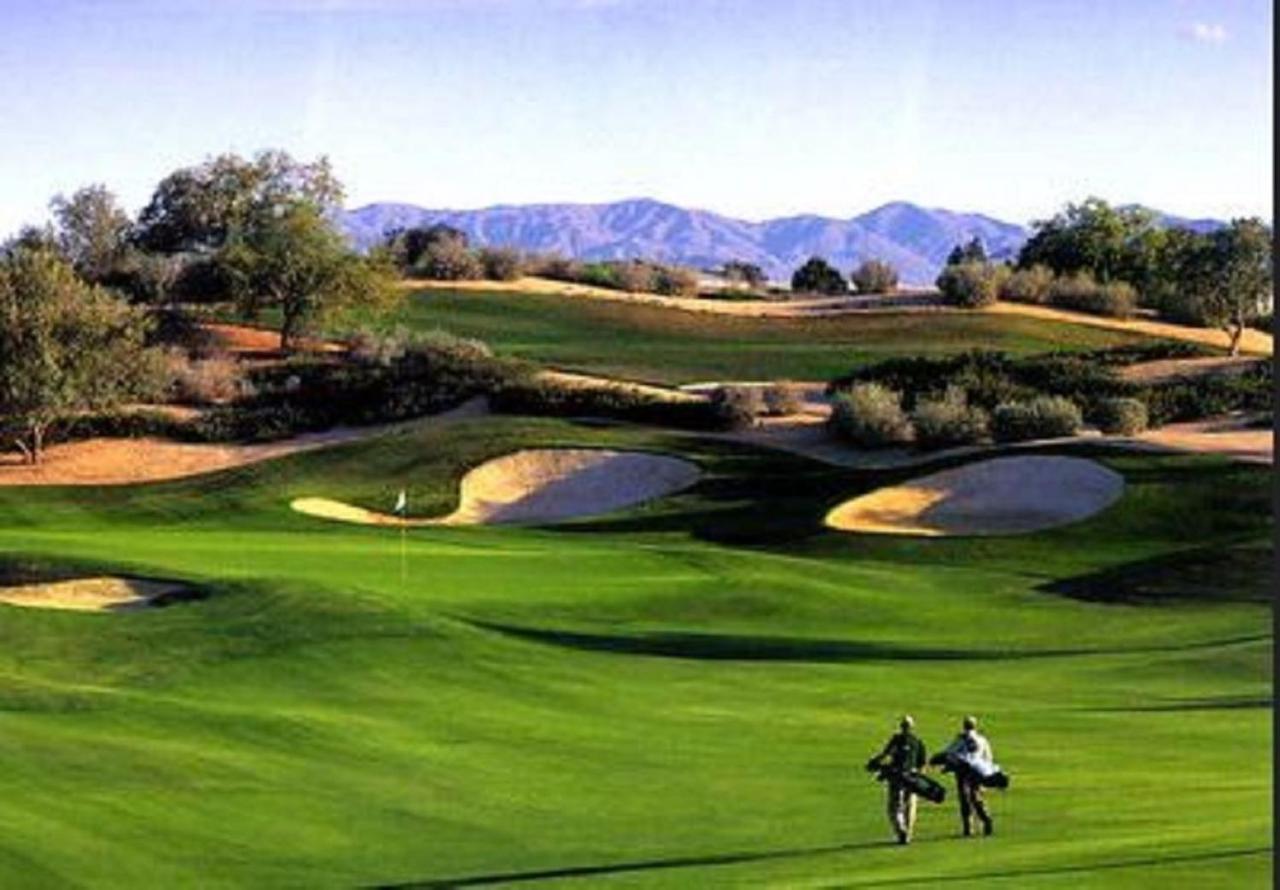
x: 96, y: 594
x: 539, y: 485
x: 1003, y: 496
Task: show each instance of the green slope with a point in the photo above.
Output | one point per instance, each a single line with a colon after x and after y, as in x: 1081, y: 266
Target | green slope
x: 669, y: 346
x: 681, y: 695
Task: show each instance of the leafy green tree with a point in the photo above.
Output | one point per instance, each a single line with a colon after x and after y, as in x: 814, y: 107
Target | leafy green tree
x: 407, y: 245
x: 817, y: 276
x: 66, y: 346
x: 92, y: 231
x: 1108, y: 242
x: 1231, y: 277
x: 974, y: 251
x: 971, y: 285
x: 297, y: 263
x: 875, y: 277
x: 199, y: 208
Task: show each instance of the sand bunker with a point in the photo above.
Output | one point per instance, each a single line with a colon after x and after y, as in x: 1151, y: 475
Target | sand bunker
x: 96, y: 594
x: 1007, y: 495
x: 537, y: 486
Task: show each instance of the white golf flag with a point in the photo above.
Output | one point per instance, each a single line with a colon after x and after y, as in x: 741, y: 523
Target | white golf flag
x: 402, y: 503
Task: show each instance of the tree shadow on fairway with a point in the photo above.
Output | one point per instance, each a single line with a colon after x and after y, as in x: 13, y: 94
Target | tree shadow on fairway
x: 1238, y: 574
x: 742, y: 647
x: 586, y: 871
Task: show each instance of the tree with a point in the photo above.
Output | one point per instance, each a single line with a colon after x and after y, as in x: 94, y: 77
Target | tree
x: 817, y: 276
x: 749, y: 274
x: 299, y: 264
x: 199, y: 208
x: 446, y: 256
x: 875, y: 277
x: 971, y: 285
x: 92, y: 231
x: 66, y: 346
x: 407, y: 245
x: 1231, y: 277
x: 974, y: 251
x: 1108, y: 242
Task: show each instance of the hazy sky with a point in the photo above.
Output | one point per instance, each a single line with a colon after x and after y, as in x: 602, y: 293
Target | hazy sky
x: 753, y: 108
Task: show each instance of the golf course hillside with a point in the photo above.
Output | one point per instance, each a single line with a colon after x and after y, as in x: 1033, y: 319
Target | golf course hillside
x: 678, y: 693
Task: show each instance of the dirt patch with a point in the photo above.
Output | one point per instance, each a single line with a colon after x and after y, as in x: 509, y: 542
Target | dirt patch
x: 1165, y: 370
x: 102, y: 593
x: 1234, y: 437
x: 1254, y: 342
x: 1003, y: 496
x: 539, y: 486
x: 248, y: 342
x: 129, y: 461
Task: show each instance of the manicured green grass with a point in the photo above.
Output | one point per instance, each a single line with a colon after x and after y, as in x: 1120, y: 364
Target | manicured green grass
x: 669, y: 346
x: 681, y: 695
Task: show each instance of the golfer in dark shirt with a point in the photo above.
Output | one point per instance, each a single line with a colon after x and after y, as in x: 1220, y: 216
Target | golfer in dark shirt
x: 903, y: 755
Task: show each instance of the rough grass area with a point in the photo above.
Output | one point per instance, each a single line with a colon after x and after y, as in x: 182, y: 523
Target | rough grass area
x: 681, y: 695
x: 669, y: 346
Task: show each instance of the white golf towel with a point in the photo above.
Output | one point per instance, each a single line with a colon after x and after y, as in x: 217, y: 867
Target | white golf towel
x: 402, y: 504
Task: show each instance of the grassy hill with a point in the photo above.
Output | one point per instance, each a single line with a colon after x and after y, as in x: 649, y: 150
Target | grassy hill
x: 682, y: 695
x: 666, y: 346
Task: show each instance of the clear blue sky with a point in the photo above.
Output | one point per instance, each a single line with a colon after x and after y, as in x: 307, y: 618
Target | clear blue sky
x: 754, y: 108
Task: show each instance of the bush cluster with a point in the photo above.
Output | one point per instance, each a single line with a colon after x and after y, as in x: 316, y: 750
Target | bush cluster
x: 1043, y: 417
x: 870, y: 415
x: 1079, y: 292
x: 204, y: 380
x: 633, y: 276
x: 949, y: 420
x: 546, y: 398
x: 1120, y: 416
x: 874, y: 277
x: 971, y: 285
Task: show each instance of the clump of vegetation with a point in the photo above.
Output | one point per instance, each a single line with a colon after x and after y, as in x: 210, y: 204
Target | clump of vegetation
x: 782, y: 398
x: 1027, y: 285
x: 817, y: 276
x: 971, y: 285
x: 204, y: 380
x: 1044, y: 417
x: 1116, y: 299
x: 501, y: 263
x: 523, y: 394
x: 874, y: 277
x: 948, y: 420
x: 870, y: 416
x: 737, y: 406
x: 1120, y: 416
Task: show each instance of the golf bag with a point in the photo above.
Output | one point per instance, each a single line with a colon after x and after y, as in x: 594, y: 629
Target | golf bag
x: 917, y: 783
x: 988, y: 774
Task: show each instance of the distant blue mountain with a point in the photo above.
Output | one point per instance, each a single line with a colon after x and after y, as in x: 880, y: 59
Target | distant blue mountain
x: 916, y: 240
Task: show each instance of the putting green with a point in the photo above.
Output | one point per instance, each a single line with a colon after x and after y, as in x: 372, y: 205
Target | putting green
x: 680, y: 695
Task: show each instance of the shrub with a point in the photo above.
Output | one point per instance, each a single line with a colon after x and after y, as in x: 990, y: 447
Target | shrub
x: 675, y: 281
x: 817, y: 276
x: 448, y: 259
x: 1027, y: 285
x: 1044, y: 417
x: 501, y: 263
x: 635, y: 277
x: 211, y: 380
x: 598, y: 275
x: 555, y: 267
x: 870, y: 416
x: 875, y: 277
x: 738, y: 406
x: 948, y: 420
x: 1125, y: 417
x: 547, y: 398
x: 1081, y: 293
x: 971, y: 285
x: 782, y: 399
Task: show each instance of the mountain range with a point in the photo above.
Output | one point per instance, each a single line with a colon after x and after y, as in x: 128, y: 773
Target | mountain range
x: 915, y: 239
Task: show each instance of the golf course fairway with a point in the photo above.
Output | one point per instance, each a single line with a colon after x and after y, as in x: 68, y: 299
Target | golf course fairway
x: 682, y: 694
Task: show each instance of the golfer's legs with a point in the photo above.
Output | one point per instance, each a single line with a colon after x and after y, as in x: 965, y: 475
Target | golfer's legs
x: 895, y: 805
x: 910, y: 807
x: 964, y: 791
